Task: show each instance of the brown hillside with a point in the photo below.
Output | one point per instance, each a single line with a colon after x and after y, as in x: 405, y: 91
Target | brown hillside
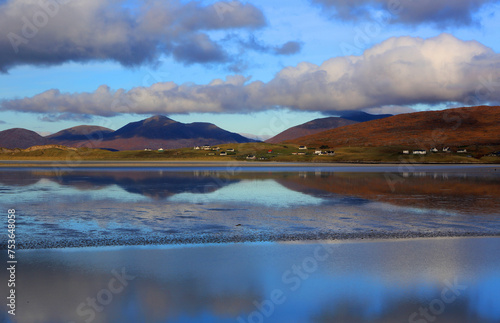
x: 451, y: 127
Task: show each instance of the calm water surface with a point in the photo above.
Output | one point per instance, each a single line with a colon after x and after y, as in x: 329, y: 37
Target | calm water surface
x: 423, y: 280
x: 426, y: 280
x: 127, y: 204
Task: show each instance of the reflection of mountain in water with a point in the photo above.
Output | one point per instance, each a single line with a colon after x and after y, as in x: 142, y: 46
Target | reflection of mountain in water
x: 424, y: 190
x: 446, y: 191
x: 17, y: 178
x: 154, y: 184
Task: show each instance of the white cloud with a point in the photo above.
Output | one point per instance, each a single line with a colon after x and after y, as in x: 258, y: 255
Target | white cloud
x: 401, y: 71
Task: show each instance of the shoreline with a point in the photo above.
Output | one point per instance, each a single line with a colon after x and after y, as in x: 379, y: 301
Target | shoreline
x: 231, y: 239
x: 226, y: 164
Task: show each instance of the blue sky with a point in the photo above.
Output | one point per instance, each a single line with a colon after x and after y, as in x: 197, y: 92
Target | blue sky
x: 278, y: 64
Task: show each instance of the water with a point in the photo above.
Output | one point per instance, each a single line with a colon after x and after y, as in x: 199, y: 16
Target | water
x: 121, y: 206
x: 449, y: 279
x: 422, y: 280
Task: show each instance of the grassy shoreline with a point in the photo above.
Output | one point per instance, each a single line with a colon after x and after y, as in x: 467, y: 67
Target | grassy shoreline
x: 264, y: 154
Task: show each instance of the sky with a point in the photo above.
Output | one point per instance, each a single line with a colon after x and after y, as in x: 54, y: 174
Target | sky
x: 256, y: 67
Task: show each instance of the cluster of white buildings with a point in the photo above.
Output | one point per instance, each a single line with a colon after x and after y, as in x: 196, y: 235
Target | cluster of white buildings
x: 210, y: 148
x: 149, y: 149
x: 316, y: 152
x: 324, y: 153
x: 206, y: 147
x: 433, y: 150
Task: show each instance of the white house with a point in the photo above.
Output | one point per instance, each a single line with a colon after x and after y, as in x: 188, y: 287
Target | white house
x: 230, y: 150
x: 161, y: 149
x: 205, y: 147
x: 406, y: 152
x: 196, y: 148
x: 434, y: 150
x: 318, y: 152
x: 330, y: 152
x: 302, y: 147
x: 462, y: 151
x: 420, y: 152
x: 446, y: 150
x: 223, y: 153
x: 250, y: 157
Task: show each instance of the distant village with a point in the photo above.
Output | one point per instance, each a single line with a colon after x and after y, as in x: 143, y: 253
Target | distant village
x: 217, y: 151
x: 302, y: 150
x: 433, y: 150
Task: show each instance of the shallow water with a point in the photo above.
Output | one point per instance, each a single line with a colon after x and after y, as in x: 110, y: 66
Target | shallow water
x: 123, y: 205
x: 425, y: 280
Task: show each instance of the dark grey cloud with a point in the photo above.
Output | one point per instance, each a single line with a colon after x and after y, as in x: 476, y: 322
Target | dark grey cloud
x: 199, y: 49
x: 51, y: 32
x: 441, y: 13
x: 288, y: 48
x: 67, y: 116
x: 391, y: 76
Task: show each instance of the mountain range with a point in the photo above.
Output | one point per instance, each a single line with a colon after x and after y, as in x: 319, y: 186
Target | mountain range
x: 154, y: 133
x: 451, y: 127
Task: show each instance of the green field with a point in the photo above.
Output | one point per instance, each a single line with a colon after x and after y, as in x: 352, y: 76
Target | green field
x: 280, y: 153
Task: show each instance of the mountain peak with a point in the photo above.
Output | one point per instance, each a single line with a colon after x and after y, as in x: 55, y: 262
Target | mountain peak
x: 158, y: 118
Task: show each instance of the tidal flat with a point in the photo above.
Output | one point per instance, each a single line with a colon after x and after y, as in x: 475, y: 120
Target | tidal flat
x: 289, y: 243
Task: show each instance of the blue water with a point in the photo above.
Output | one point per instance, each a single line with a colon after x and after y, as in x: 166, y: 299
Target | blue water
x: 452, y: 279
x: 126, y: 204
x: 383, y: 281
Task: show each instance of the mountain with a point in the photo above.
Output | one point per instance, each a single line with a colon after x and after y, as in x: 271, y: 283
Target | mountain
x: 310, y: 128
x: 154, y: 133
x: 360, y: 116
x: 163, y: 128
x: 21, y: 138
x: 451, y: 127
x: 79, y: 133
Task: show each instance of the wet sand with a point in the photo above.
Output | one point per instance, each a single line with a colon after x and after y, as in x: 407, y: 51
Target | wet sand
x: 189, y: 239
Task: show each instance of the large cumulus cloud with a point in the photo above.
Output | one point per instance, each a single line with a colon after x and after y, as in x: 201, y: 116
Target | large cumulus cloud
x: 401, y: 71
x: 50, y: 32
x: 441, y: 13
